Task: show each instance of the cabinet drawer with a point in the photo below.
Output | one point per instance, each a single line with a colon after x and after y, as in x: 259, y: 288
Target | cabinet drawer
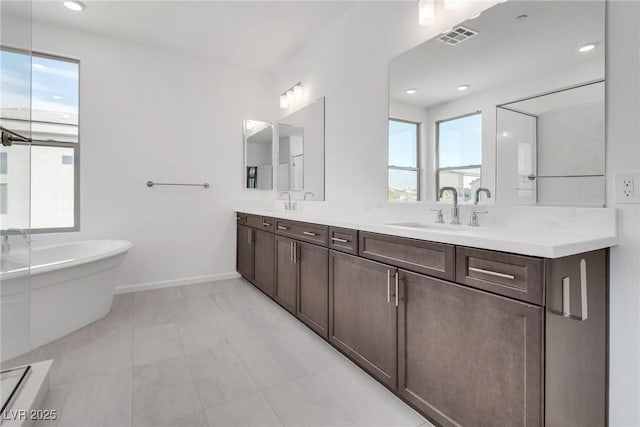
x: 434, y: 259
x: 514, y: 276
x: 241, y: 218
x: 307, y: 232
x: 254, y: 221
x: 343, y: 240
x: 268, y: 224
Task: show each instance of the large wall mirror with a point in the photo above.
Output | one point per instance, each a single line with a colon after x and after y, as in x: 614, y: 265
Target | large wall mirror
x: 300, y: 152
x: 258, y: 155
x: 511, y: 100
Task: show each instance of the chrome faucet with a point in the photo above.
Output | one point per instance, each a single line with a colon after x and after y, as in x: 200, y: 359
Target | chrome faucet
x: 481, y: 190
x: 455, y: 213
x: 288, y: 206
x: 308, y: 192
x: 6, y: 246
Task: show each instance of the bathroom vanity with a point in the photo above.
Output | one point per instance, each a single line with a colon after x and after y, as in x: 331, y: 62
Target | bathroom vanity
x: 468, y: 336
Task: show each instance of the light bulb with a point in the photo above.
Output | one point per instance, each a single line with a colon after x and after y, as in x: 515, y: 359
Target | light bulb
x: 283, y: 101
x: 290, y: 97
x: 75, y: 5
x: 297, y: 92
x: 426, y: 11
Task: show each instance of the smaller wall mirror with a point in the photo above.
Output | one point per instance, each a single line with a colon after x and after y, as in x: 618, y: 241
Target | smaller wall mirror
x: 258, y: 149
x: 300, y: 154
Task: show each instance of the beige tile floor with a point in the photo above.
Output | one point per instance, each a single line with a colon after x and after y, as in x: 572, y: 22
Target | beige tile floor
x: 217, y: 354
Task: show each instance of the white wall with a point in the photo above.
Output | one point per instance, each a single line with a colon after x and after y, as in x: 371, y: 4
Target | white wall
x: 148, y: 114
x: 348, y: 64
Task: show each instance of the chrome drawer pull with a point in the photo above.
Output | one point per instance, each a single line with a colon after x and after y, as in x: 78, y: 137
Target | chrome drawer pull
x: 266, y: 224
x: 493, y: 273
x: 339, y: 240
x: 566, y: 297
x: 397, y: 297
x: 282, y: 227
x: 309, y: 233
x: 388, y: 286
x: 583, y: 289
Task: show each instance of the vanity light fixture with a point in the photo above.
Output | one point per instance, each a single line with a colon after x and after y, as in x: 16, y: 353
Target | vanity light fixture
x: 411, y: 91
x: 426, y: 11
x: 463, y: 87
x: 587, y: 48
x: 291, y: 96
x: 283, y: 101
x: 75, y: 5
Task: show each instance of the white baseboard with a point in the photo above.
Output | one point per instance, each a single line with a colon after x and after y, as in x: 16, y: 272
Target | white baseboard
x: 175, y: 282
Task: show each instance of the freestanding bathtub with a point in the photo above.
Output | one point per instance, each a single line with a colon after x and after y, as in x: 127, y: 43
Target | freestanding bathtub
x: 71, y: 285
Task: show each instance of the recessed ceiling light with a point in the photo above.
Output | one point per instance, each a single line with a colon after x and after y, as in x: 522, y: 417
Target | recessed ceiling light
x: 463, y: 87
x: 476, y: 15
x: 411, y: 91
x: 586, y: 47
x: 75, y: 5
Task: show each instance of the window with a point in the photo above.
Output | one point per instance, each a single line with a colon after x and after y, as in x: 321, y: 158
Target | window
x: 404, y: 173
x: 459, y: 159
x: 53, y: 125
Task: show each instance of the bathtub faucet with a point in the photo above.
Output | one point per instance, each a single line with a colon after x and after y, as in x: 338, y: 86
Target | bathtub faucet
x: 6, y: 246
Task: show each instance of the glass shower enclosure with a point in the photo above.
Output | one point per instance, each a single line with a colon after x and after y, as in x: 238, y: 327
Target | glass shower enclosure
x: 15, y: 205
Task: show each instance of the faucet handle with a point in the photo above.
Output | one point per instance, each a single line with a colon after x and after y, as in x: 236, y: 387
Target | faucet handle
x: 473, y: 219
x: 439, y: 216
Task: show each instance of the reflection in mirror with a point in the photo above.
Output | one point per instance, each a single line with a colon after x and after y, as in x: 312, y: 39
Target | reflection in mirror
x: 290, y: 158
x: 550, y: 148
x: 300, y: 156
x: 460, y: 95
x: 258, y: 165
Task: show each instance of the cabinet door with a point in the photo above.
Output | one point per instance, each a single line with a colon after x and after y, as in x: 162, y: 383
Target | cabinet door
x: 263, y: 267
x: 244, y: 252
x: 285, y: 292
x: 362, y: 314
x: 313, y: 286
x: 466, y: 357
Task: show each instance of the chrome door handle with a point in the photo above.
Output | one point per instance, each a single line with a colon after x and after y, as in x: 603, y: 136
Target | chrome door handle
x: 309, y: 233
x: 249, y: 236
x: 492, y: 273
x: 295, y: 252
x: 291, y: 251
x: 397, y: 280
x: 339, y: 240
x: 566, y: 294
x: 388, y: 286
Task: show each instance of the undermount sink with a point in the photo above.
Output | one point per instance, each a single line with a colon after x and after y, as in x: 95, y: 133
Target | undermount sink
x: 448, y: 228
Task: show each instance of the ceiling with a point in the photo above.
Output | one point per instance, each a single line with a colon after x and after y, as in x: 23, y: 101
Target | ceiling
x: 505, y: 50
x: 258, y: 34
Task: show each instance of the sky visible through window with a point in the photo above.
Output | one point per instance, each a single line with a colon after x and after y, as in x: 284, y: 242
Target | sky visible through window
x: 460, y: 141
x: 52, y: 84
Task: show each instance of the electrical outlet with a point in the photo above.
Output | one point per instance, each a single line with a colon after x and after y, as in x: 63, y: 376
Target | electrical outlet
x: 628, y: 188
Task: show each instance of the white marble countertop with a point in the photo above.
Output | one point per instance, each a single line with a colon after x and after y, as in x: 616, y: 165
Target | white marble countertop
x: 546, y: 237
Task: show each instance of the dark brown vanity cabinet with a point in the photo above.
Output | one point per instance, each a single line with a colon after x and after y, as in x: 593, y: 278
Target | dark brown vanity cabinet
x: 263, y: 264
x: 313, y: 287
x: 244, y: 252
x: 255, y: 253
x: 362, y: 314
x: 469, y: 337
x: 466, y: 357
x: 286, y: 292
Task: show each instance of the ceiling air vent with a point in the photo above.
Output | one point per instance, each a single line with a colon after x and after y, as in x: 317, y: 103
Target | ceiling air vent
x: 457, y: 35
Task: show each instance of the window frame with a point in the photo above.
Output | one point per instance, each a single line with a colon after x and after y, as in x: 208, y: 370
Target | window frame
x: 437, y: 146
x: 406, y: 168
x: 55, y: 144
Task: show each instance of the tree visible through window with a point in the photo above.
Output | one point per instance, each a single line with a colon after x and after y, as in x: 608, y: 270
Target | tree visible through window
x: 459, y: 163
x: 53, y: 96
x: 404, y: 173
